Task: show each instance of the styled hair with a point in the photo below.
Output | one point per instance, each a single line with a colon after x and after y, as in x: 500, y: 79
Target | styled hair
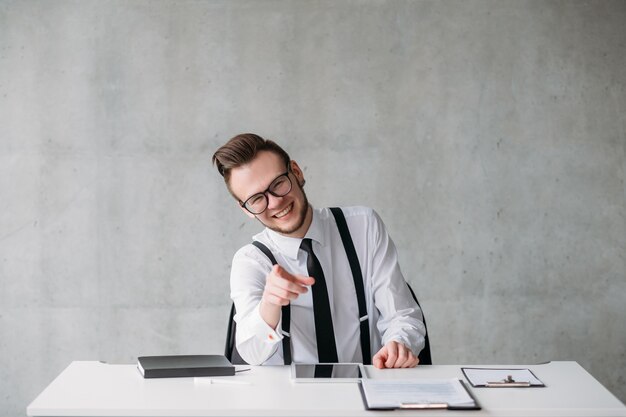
x: 241, y: 150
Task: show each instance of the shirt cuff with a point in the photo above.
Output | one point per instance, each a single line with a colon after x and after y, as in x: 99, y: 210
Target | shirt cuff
x: 263, y: 330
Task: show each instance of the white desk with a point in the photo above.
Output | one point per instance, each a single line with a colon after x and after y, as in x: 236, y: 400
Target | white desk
x: 98, y: 389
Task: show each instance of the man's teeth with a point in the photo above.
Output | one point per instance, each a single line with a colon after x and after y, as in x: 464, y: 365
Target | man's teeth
x: 284, y: 212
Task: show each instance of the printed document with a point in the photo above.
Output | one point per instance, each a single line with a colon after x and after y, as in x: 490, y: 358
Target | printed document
x: 381, y: 393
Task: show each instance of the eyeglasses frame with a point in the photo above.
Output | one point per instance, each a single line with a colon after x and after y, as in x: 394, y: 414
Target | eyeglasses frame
x: 267, y: 190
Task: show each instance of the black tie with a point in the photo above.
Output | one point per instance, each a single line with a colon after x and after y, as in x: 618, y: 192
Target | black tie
x: 324, y: 332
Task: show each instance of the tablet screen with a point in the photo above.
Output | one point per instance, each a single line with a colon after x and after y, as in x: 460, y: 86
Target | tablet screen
x: 328, y: 371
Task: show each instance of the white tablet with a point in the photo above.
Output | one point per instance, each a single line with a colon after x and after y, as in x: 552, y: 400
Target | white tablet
x: 327, y: 372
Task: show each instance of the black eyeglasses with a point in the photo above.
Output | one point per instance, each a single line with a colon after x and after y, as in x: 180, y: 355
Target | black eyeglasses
x: 258, y: 202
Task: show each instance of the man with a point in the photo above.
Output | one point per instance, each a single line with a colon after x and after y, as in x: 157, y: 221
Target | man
x: 311, y: 263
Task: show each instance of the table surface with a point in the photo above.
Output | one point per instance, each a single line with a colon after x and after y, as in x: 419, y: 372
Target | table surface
x: 100, y: 389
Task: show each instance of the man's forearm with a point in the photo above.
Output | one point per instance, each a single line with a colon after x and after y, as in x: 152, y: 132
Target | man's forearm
x: 270, y: 313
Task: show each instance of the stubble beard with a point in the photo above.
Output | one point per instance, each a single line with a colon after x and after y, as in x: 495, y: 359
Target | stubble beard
x: 301, y: 220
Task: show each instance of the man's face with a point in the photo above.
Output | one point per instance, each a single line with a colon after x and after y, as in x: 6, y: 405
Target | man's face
x: 288, y: 215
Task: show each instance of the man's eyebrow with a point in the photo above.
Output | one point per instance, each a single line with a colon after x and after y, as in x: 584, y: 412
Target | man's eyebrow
x: 268, y: 186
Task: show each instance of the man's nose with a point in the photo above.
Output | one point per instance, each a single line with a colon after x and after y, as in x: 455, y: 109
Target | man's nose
x: 273, y: 201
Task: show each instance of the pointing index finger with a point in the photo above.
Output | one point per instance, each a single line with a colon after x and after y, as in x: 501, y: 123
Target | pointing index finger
x: 281, y: 272
x: 304, y: 280
x: 298, y: 279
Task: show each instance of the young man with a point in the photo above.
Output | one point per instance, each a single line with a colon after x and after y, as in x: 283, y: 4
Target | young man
x: 312, y: 274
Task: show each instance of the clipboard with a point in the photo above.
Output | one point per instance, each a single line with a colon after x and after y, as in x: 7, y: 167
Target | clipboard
x: 372, y: 400
x: 502, y: 378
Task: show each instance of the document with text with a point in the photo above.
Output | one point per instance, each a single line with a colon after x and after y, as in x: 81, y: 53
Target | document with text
x: 416, y: 394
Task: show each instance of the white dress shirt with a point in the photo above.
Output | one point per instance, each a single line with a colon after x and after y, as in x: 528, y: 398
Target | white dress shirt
x: 393, y: 314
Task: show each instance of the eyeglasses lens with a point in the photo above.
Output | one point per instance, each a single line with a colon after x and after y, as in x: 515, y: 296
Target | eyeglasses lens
x: 279, y: 188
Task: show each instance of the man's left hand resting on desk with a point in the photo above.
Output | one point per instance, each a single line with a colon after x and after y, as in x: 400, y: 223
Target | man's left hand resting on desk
x: 394, y: 355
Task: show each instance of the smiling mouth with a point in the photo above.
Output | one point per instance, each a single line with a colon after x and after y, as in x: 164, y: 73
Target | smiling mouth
x: 285, y: 212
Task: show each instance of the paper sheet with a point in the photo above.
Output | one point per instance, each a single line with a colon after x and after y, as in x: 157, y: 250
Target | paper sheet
x: 393, y: 393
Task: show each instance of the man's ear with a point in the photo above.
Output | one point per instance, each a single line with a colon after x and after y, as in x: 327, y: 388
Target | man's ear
x: 297, y: 172
x: 244, y: 210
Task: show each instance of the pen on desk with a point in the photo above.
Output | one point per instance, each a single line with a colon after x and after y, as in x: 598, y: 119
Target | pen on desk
x: 204, y: 380
x: 229, y: 382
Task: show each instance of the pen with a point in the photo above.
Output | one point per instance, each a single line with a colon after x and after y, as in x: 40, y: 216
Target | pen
x: 204, y: 380
x: 229, y: 382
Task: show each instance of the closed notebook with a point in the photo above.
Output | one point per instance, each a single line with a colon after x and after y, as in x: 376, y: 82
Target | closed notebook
x: 172, y: 366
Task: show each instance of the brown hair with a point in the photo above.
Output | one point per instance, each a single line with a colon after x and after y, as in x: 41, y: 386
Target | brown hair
x: 242, y: 149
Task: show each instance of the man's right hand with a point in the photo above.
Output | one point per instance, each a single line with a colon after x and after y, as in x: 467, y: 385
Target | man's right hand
x: 280, y: 288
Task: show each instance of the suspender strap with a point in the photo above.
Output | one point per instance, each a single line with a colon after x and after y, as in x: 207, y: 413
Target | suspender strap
x: 265, y: 250
x: 357, y: 277
x: 285, y: 310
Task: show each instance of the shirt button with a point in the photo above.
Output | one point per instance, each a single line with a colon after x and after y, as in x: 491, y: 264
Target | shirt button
x: 270, y: 336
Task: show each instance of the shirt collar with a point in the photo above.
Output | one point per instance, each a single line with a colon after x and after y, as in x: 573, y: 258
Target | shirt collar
x: 289, y: 246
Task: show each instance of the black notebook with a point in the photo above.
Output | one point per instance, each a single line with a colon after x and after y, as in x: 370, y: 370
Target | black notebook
x: 184, y: 366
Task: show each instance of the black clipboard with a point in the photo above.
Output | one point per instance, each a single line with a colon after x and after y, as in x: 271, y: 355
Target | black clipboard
x: 424, y: 406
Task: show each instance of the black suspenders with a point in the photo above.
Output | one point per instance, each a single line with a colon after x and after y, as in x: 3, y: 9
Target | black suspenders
x: 357, y: 277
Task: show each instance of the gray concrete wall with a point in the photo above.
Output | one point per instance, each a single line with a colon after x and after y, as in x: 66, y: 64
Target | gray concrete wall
x: 490, y: 136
